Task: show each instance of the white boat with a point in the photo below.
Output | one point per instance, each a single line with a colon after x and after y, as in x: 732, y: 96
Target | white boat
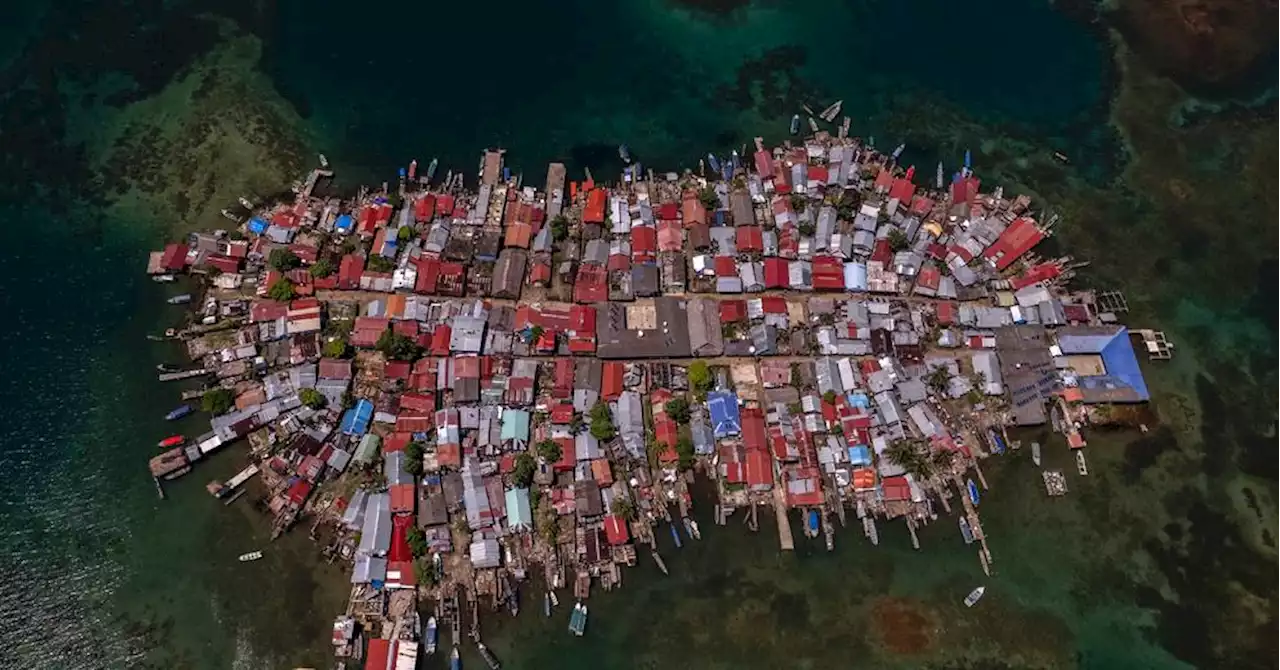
x: 555, y: 600
x: 251, y: 556
x: 244, y: 202
x: 1035, y: 453
x: 324, y: 162
x: 974, y: 596
x: 163, y: 279
x: 1081, y: 466
x: 830, y: 113
x: 431, y: 636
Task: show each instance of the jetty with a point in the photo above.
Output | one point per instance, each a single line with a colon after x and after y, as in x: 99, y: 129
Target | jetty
x: 183, y: 374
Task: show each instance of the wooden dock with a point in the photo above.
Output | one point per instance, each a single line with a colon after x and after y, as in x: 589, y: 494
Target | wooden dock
x: 184, y: 374
x: 787, y: 542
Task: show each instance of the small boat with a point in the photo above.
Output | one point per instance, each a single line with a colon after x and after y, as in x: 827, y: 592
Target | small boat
x: 555, y: 600
x: 180, y: 299
x: 171, y: 441
x: 324, y: 161
x: 1061, y: 158
x: 413, y: 168
x: 966, y: 531
x: 676, y: 536
x: 244, y: 202
x: 997, y: 443
x: 1035, y: 453
x: 624, y: 153
x: 168, y: 367
x: 898, y: 151
x: 939, y: 174
x: 968, y: 160
x: 812, y: 524
x: 251, y: 556
x: 455, y: 661
x: 662, y: 565
x: 432, y: 634
x: 513, y: 601
x: 691, y: 527
x: 713, y: 162
x: 578, y: 620
x: 163, y: 279
x: 830, y: 113
x: 973, y: 491
x: 431, y: 168
x: 795, y: 124
x: 178, y: 412
x: 1081, y: 466
x: 974, y: 596
x: 487, y: 655
x: 546, y: 604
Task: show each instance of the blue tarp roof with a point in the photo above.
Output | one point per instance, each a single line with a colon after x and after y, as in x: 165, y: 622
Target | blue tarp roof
x: 257, y: 226
x: 860, y: 455
x: 725, y: 418
x: 344, y: 223
x: 356, y: 420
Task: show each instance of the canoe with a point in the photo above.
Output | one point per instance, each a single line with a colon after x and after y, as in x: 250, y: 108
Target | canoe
x: 171, y: 441
x: 178, y: 412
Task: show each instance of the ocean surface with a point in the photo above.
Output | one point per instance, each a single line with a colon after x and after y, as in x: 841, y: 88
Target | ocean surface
x: 123, y: 124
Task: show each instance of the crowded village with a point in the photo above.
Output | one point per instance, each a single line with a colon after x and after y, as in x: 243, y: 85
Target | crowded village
x: 479, y: 394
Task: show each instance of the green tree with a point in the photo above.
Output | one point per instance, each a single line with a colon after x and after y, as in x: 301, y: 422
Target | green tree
x: 283, y: 260
x: 312, y: 398
x: 379, y: 263
x: 829, y: 397
x: 678, y: 409
x: 425, y: 572
x: 413, y: 458
x: 898, y: 240
x: 622, y: 507
x: 349, y: 246
x: 417, y: 541
x: 700, y: 378
x: 398, y: 347
x: 322, y: 268
x: 282, y: 290
x: 939, y: 379
x: 404, y: 234
x: 798, y: 203
x: 549, y: 451
x: 601, y: 423
x: 335, y: 348
x: 654, y: 450
x: 685, y: 454
x: 535, y: 333
x: 709, y: 199
x: 806, y: 228
x: 522, y: 473
x: 559, y: 228
x: 236, y: 235
x: 912, y: 456
x: 218, y: 401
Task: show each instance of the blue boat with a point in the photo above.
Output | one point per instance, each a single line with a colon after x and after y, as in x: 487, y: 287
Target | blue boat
x: 713, y: 162
x: 966, y: 531
x: 973, y: 491
x: 179, y: 412
x: 813, y: 522
x: 506, y: 174
x: 676, y: 536
x: 795, y: 124
x: 898, y: 152
x: 455, y: 661
x: 968, y: 159
x: 431, y: 169
x: 997, y: 443
x: 403, y: 173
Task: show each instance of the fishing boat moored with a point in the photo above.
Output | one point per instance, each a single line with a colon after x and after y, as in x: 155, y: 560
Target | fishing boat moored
x: 578, y: 620
x: 795, y: 124
x: 974, y: 596
x: 624, y: 153
x: 455, y: 660
x: 164, y: 279
x: 1035, y: 453
x: 973, y: 491
x: 178, y: 412
x: 966, y: 531
x: 251, y: 556
x: 1081, y: 466
x: 432, y: 633
x: 180, y: 299
x: 171, y: 441
x: 676, y: 536
x: 546, y: 604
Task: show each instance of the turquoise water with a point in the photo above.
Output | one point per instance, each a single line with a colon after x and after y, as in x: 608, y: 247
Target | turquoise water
x: 1159, y: 559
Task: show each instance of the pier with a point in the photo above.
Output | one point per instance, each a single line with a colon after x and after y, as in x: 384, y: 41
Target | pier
x: 184, y: 374
x: 787, y: 542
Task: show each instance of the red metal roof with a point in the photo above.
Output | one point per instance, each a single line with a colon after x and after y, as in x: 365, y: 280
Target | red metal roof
x: 758, y: 469
x: 378, y: 654
x: 733, y: 310
x: 818, y: 173
x: 670, y: 236
x: 611, y: 380
x: 349, y: 270
x: 335, y: 368
x: 946, y: 313
x: 764, y: 164
x: 692, y: 210
x: 902, y: 189
x: 562, y: 413
x: 726, y: 266
x: 597, y: 199
x: 668, y: 211
x: 615, y: 529
x: 224, y: 263
x: 1016, y: 240
x: 413, y: 424
x: 775, y: 273
x: 402, y: 499
x: 1039, y: 273
x: 750, y: 238
x: 396, y: 370
x: 896, y: 488
x: 773, y: 304
x: 965, y: 190
x: 828, y: 273
x: 174, y: 257
x: 884, y: 179
x: 590, y: 284
x: 428, y: 275
x: 644, y: 239
x: 753, y: 429
x: 921, y: 205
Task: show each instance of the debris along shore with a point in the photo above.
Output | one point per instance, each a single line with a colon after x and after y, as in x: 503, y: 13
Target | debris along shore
x: 457, y: 385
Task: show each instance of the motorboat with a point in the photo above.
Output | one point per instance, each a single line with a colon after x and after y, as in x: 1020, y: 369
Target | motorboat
x: 180, y: 299
x: 179, y: 412
x: 171, y: 441
x: 1035, y: 453
x: 251, y: 556
x: 432, y: 635
x: 624, y: 153
x: 163, y: 279
x: 974, y: 596
x: 795, y: 124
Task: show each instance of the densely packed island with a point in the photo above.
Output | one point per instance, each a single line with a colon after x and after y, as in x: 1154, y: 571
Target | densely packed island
x: 460, y: 390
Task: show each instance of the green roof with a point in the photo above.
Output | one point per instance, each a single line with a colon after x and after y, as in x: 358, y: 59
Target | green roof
x: 518, y: 513
x: 368, y: 448
x: 515, y: 425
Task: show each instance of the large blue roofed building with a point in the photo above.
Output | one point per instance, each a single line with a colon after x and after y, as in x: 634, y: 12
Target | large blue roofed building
x: 356, y: 420
x: 725, y: 418
x: 1104, y: 363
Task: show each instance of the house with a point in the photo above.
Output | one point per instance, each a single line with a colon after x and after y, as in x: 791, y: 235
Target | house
x: 725, y: 416
x: 1101, y: 362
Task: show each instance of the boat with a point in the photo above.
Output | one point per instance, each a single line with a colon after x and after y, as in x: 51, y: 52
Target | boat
x: 163, y: 279
x: 244, y: 202
x: 555, y: 600
x: 455, y: 661
x: 830, y: 113
x: 1061, y: 157
x: 578, y: 620
x: 180, y: 299
x: 1035, y: 453
x: 546, y: 604
x: 734, y: 160
x: 974, y: 596
x: 973, y: 491
x: 662, y: 565
x: 997, y: 443
x: 1081, y: 466
x: 251, y: 556
x: 168, y: 367
x: 178, y: 412
x: 171, y: 441
x: 713, y: 162
x: 513, y: 601
x: 487, y: 655
x: 676, y: 536
x: 811, y: 525
x: 692, y: 527
x: 226, y: 214
x: 413, y: 169
x: 966, y: 531
x: 432, y: 635
x: 795, y: 124
x: 324, y: 161
x: 898, y: 151
x: 939, y: 174
x: 624, y: 153
x: 431, y: 168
